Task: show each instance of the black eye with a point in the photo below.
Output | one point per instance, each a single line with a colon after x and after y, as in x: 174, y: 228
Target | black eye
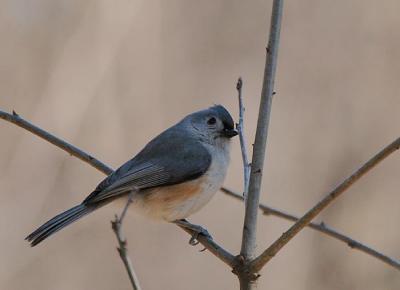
x: 211, y: 121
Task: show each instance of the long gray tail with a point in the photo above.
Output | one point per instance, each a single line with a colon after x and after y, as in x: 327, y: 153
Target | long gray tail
x: 59, y: 222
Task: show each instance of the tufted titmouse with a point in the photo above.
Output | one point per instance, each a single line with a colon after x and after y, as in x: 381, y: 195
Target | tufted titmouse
x: 173, y: 176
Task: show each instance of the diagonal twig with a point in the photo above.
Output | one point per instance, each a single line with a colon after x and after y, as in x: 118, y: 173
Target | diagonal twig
x: 71, y: 149
x: 14, y: 118
x: 259, y: 262
x: 323, y: 228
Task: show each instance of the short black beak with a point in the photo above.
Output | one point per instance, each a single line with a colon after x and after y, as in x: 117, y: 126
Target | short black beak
x: 229, y: 133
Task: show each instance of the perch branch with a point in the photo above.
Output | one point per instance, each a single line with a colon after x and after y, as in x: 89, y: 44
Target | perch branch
x: 14, y: 118
x: 243, y: 145
x: 213, y: 247
x: 259, y: 262
x: 322, y: 228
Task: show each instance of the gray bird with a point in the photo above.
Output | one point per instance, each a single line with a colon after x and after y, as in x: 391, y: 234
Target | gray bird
x: 172, y: 177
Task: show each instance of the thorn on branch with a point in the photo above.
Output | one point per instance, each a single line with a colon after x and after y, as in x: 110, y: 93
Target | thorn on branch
x: 15, y: 114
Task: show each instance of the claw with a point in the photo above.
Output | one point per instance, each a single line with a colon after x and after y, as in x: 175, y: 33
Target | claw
x: 198, y: 230
x: 193, y: 240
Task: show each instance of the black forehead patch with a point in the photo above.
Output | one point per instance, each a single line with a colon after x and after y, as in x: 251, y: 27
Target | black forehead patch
x: 224, y: 116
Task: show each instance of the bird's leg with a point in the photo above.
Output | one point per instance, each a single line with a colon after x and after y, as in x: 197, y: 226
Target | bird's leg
x: 196, y: 229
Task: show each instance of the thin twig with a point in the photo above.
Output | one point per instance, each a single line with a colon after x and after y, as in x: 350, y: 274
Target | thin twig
x: 116, y: 225
x: 71, y: 149
x: 322, y: 228
x: 257, y: 164
x: 259, y: 262
x: 213, y: 247
x: 128, y: 202
x: 243, y: 144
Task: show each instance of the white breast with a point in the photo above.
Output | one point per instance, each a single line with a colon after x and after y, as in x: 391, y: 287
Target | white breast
x: 212, y: 181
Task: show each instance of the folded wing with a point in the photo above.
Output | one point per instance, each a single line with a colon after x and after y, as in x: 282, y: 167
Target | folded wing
x: 174, y: 160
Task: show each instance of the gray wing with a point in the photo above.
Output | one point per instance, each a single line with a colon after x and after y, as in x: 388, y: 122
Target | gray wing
x: 170, y: 158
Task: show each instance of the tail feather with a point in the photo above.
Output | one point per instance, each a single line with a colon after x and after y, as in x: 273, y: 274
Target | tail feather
x: 58, y: 222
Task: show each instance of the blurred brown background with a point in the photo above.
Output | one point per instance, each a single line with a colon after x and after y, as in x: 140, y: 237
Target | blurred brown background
x: 109, y: 75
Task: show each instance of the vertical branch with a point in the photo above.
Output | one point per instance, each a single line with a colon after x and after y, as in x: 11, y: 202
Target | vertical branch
x: 249, y: 230
x: 243, y: 146
x: 250, y: 221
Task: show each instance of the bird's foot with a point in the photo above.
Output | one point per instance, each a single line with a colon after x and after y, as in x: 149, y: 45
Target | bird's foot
x: 196, y: 229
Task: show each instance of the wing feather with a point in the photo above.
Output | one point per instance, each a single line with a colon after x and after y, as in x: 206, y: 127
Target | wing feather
x: 170, y: 158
